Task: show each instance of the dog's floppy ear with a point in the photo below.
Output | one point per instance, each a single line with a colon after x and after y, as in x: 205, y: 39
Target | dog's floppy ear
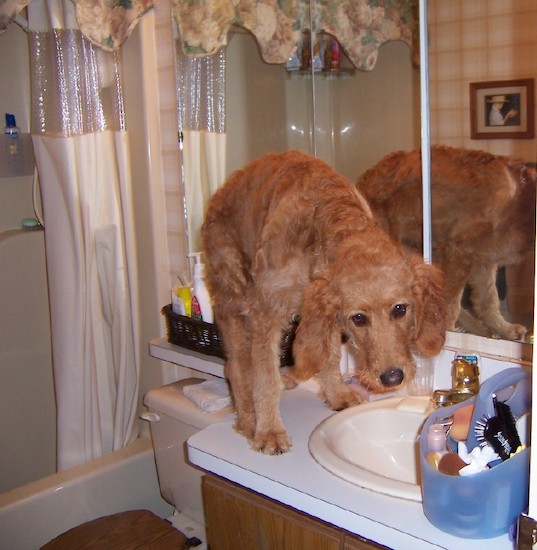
x: 429, y: 308
x: 318, y: 337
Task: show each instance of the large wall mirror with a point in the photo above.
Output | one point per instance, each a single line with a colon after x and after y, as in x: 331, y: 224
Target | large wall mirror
x: 353, y: 118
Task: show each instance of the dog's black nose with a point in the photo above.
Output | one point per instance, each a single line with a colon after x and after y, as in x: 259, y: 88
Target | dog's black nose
x: 392, y: 377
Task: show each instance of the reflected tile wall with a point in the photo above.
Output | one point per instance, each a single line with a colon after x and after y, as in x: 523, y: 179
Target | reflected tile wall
x: 478, y: 41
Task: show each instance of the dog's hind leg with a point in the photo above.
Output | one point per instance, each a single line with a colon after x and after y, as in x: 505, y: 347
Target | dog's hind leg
x: 238, y: 371
x: 270, y: 436
x: 486, y: 303
x: 456, y: 272
x: 238, y: 368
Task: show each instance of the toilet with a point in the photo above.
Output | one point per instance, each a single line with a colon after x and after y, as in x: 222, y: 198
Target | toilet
x: 173, y: 418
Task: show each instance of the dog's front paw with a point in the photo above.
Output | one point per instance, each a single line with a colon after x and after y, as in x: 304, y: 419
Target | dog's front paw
x: 245, y: 428
x: 287, y: 381
x: 512, y: 332
x: 343, y: 398
x: 272, y: 443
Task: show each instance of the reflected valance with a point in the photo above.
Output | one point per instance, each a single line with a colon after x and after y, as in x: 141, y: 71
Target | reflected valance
x: 361, y: 26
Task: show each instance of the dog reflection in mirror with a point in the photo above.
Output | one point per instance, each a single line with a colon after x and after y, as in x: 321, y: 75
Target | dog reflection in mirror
x: 483, y: 217
x: 287, y: 235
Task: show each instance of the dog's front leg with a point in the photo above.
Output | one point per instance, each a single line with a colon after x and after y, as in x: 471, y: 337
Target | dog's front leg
x: 270, y: 434
x: 317, y: 345
x: 334, y: 391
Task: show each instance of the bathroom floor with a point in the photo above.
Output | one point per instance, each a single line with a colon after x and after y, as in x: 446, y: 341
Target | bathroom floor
x: 189, y: 528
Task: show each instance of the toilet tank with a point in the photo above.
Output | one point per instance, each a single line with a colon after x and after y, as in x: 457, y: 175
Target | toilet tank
x: 173, y: 419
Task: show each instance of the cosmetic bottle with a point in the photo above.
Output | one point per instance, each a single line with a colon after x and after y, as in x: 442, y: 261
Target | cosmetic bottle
x: 436, y: 444
x: 200, y: 296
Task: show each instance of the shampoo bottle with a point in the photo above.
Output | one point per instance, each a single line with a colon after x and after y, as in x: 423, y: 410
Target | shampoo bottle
x: 12, y: 133
x: 200, y: 296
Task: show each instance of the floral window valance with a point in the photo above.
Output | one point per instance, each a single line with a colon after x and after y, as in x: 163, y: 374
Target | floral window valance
x: 105, y: 23
x: 361, y: 26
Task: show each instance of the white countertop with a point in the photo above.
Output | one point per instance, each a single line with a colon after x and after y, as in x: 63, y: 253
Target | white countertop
x: 297, y: 480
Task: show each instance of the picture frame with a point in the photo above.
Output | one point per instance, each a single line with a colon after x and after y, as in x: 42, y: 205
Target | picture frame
x: 502, y: 109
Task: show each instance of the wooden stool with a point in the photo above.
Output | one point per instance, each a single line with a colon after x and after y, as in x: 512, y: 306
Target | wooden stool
x: 124, y: 531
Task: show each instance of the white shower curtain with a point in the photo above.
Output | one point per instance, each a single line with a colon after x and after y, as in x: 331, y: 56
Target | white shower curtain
x: 204, y: 163
x: 201, y: 107
x: 82, y: 155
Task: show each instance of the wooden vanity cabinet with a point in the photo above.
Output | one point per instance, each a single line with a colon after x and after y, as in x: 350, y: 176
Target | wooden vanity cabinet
x: 239, y: 518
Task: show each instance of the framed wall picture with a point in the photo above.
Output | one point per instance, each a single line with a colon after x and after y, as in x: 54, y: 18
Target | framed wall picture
x: 502, y: 109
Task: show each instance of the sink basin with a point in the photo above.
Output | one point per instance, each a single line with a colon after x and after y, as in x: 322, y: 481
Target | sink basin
x: 375, y: 445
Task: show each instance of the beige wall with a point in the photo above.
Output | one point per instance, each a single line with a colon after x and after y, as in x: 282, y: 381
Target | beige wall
x: 478, y: 41
x: 27, y: 429
x: 359, y: 116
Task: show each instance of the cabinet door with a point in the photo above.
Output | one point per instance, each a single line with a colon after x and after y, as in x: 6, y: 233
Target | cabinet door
x: 238, y: 518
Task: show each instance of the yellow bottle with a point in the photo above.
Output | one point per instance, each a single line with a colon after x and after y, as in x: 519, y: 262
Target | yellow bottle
x: 182, y: 300
x: 183, y: 292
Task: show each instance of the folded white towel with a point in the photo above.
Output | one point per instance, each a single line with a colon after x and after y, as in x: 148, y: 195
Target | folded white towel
x: 209, y: 396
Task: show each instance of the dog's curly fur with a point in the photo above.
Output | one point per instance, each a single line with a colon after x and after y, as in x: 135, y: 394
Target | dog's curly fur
x: 287, y: 235
x: 483, y: 217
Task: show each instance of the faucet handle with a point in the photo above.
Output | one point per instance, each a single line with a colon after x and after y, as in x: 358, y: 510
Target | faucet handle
x: 465, y: 376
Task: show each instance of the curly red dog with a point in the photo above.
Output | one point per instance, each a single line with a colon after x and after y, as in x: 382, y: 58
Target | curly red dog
x: 287, y: 235
x: 483, y: 217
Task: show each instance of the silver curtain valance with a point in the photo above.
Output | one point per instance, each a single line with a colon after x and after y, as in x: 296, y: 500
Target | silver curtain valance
x: 361, y: 26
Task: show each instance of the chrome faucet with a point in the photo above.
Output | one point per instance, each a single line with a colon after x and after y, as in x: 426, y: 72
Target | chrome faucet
x: 465, y: 380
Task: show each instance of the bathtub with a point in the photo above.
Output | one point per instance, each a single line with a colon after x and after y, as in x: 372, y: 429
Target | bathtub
x: 35, y: 513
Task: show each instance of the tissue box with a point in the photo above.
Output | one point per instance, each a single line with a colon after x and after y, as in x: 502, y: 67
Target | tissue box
x: 486, y: 504
x: 205, y: 338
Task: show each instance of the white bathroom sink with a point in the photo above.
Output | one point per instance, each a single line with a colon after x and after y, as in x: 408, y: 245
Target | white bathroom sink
x: 375, y: 445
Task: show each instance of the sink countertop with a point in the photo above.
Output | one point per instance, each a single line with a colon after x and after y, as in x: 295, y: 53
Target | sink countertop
x: 297, y: 480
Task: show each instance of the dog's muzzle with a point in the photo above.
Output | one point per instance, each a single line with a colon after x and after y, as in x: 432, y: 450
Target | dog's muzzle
x: 392, y: 377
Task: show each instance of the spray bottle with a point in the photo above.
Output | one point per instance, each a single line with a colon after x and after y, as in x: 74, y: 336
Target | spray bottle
x: 200, y: 295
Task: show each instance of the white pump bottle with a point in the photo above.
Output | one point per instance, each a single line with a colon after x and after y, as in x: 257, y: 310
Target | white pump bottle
x: 200, y: 290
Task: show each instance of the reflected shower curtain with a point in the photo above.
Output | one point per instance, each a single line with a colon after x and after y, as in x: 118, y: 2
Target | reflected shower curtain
x: 201, y: 107
x: 81, y: 150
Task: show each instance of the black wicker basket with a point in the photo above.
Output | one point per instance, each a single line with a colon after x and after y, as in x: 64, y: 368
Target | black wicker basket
x: 192, y: 334
x: 205, y: 338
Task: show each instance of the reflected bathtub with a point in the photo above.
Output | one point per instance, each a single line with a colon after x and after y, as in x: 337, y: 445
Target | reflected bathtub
x: 35, y: 513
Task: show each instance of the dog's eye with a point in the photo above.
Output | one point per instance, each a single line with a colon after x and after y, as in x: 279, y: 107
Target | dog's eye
x: 360, y: 320
x: 399, y: 311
